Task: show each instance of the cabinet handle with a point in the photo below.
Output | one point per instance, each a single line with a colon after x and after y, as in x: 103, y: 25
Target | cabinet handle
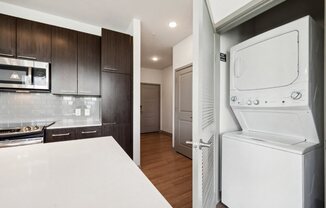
x: 113, y: 123
x: 85, y: 92
x: 27, y: 57
x: 68, y: 91
x: 60, y: 135
x: 89, y: 132
x: 110, y: 69
x: 6, y: 54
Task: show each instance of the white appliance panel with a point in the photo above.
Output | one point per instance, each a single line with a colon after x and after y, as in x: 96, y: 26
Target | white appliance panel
x: 259, y: 66
x: 257, y: 176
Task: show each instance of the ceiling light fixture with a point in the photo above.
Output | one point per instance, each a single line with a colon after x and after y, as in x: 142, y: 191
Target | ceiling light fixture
x: 172, y: 24
x: 154, y: 58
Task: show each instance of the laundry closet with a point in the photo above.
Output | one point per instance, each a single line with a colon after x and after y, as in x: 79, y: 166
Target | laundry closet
x: 269, y: 94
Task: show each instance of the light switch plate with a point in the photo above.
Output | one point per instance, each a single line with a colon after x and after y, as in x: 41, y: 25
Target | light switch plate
x: 87, y: 112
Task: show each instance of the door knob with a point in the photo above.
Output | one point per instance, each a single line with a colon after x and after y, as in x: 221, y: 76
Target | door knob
x: 200, y: 145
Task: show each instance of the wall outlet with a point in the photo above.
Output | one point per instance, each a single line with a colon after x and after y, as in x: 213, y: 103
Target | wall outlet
x: 87, y: 112
x: 78, y: 112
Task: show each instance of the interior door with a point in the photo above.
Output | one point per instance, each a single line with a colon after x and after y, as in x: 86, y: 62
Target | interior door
x: 183, y: 111
x: 150, y: 108
x: 204, y: 122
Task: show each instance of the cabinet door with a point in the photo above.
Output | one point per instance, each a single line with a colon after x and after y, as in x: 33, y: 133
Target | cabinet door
x: 88, y: 132
x: 89, y: 64
x: 122, y: 134
x: 8, y: 36
x: 116, y: 98
x: 116, y: 52
x: 64, y: 61
x: 33, y: 40
x: 57, y: 135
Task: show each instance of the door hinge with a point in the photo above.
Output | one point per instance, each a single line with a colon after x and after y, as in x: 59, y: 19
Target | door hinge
x: 223, y: 57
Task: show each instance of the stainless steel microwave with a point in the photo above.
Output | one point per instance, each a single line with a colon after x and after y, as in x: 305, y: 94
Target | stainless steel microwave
x: 24, y: 74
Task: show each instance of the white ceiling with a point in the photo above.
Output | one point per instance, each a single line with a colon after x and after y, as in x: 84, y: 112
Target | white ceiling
x: 155, y: 15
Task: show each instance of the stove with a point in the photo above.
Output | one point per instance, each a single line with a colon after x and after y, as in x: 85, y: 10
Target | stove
x: 18, y: 135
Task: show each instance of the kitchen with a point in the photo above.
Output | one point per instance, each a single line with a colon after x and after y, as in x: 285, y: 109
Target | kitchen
x: 70, y: 89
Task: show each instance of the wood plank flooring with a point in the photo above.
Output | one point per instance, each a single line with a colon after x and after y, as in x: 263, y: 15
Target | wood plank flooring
x: 170, y: 172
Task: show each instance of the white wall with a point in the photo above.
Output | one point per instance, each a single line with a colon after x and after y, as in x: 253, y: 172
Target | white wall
x: 183, y: 53
x: 38, y: 16
x: 135, y: 28
x: 167, y: 102
x: 182, y: 57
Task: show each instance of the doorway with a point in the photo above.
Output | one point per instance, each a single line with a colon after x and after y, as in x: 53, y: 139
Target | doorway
x: 150, y: 108
x: 183, y: 111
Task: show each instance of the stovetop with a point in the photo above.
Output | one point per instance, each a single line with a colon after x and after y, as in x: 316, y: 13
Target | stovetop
x: 14, y: 130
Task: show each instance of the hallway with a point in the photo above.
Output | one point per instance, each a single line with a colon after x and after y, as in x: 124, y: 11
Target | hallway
x: 170, y: 172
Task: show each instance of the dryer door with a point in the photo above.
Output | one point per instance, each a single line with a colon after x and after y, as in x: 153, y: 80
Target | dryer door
x: 268, y: 63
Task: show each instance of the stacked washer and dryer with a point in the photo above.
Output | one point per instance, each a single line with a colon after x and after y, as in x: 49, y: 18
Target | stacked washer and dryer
x: 276, y: 94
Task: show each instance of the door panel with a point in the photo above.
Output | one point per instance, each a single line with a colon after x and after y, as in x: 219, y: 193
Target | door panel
x: 150, y: 108
x: 183, y: 111
x: 33, y: 40
x: 116, y: 98
x: 8, y: 36
x: 205, y: 127
x: 89, y: 64
x: 116, y: 52
x: 64, y: 61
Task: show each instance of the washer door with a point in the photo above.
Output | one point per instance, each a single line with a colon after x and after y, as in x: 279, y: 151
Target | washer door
x: 268, y: 63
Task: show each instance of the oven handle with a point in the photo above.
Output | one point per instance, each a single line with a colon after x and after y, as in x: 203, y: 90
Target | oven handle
x: 21, y: 142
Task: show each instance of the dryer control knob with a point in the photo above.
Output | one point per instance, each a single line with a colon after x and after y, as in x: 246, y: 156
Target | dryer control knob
x: 296, y: 95
x: 256, y: 102
x: 234, y: 98
x: 249, y: 102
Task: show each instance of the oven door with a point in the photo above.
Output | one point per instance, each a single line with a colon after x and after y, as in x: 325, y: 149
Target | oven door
x: 23, y: 74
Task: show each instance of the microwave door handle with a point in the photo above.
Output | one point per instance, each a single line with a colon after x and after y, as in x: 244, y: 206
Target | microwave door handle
x: 237, y: 67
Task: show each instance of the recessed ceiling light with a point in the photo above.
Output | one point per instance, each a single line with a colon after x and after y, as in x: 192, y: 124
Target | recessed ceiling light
x: 172, y: 24
x: 154, y: 58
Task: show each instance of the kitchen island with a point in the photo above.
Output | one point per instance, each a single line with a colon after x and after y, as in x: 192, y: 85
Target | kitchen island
x: 89, y: 173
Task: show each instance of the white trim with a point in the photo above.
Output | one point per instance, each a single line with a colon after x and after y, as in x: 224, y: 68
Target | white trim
x: 136, y: 30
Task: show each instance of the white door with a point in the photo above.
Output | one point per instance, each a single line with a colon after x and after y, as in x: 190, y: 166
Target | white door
x: 204, y: 122
x: 183, y: 111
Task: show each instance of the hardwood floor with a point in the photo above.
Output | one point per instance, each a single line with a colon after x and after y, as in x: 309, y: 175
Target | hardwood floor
x: 170, y: 172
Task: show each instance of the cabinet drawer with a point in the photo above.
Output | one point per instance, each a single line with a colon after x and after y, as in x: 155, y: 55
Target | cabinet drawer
x: 88, y: 132
x: 57, y: 135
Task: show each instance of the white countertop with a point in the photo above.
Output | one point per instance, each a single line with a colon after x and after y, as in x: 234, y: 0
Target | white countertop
x: 90, y: 173
x: 74, y: 124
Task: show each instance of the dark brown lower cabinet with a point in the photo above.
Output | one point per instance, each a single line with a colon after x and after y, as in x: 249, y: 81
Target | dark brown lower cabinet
x: 88, y: 132
x: 58, y: 135
x: 122, y: 134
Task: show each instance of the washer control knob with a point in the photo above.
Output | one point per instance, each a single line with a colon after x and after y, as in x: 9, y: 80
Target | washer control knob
x: 234, y: 98
x: 249, y: 102
x: 256, y: 102
x: 296, y: 95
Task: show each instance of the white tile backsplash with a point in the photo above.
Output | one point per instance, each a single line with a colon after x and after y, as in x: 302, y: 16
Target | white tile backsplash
x: 39, y: 107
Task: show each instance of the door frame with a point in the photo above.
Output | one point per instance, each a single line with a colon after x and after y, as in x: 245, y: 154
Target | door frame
x: 173, y: 99
x: 160, y: 115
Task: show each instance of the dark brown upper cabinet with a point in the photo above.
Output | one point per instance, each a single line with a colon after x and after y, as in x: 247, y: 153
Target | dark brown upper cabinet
x: 7, y: 36
x: 64, y: 61
x: 116, y: 52
x: 116, y: 98
x: 33, y: 40
x: 89, y: 64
